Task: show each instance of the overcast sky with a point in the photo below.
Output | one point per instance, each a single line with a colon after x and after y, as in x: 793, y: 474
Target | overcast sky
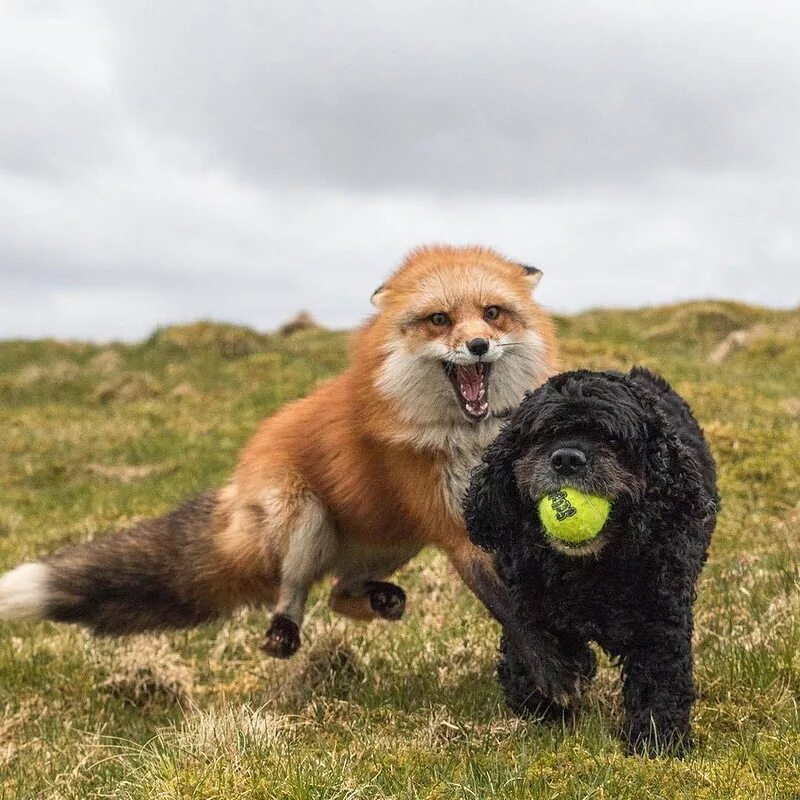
x: 167, y: 161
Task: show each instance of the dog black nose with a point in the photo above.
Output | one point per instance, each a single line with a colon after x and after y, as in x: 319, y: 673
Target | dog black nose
x: 568, y: 460
x: 478, y: 347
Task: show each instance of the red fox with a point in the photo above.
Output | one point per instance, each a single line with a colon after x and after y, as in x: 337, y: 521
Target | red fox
x: 352, y: 481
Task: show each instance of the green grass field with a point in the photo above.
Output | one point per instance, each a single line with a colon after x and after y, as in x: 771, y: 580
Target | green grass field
x: 95, y: 437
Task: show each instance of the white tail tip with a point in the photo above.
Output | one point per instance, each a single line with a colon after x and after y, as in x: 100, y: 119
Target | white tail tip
x: 23, y: 592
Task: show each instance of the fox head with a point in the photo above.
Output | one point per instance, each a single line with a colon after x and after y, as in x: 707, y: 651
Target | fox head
x: 459, y: 335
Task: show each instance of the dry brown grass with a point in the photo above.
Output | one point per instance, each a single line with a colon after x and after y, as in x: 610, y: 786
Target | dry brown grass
x: 146, y: 669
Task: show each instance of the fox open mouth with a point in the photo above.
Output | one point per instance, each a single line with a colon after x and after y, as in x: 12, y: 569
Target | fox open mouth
x: 471, y: 384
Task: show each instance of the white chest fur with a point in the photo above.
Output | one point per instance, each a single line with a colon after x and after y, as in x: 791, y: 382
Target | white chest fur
x: 463, y: 453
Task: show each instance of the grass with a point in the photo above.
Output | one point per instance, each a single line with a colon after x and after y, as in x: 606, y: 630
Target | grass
x: 94, y: 437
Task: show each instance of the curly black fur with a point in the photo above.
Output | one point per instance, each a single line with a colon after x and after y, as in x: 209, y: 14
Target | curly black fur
x: 632, y: 589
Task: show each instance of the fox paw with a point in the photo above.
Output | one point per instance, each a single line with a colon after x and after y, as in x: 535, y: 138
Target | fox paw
x: 282, y: 639
x: 387, y: 600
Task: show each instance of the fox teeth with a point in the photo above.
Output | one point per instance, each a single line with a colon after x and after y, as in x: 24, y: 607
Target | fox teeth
x: 481, y: 394
x: 476, y: 410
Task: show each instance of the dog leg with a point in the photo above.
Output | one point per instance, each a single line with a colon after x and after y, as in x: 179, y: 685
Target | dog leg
x: 552, y: 674
x: 522, y: 688
x: 311, y: 546
x: 587, y: 664
x: 658, y: 691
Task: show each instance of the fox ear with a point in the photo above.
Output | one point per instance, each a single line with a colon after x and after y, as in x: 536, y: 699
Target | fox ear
x: 378, y: 296
x: 533, y: 274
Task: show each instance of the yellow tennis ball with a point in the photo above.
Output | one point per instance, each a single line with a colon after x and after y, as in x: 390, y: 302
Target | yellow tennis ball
x: 572, y: 516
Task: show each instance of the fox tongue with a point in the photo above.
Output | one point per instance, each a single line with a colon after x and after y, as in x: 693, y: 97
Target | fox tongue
x: 470, y: 382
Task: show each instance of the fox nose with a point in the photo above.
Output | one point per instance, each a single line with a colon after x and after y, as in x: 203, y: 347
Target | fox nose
x: 567, y: 461
x: 478, y: 347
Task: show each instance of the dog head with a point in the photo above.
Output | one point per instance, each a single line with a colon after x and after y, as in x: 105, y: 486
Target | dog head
x: 600, y: 433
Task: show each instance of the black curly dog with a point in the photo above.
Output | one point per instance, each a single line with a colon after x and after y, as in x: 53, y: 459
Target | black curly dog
x: 633, y: 440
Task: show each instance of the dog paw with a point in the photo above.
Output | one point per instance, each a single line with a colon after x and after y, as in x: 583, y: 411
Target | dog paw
x: 540, y: 677
x: 539, y: 708
x: 282, y: 639
x: 524, y: 699
x: 654, y: 743
x: 558, y: 680
x: 387, y: 600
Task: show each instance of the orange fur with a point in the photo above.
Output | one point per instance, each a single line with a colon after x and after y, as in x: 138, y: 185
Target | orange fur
x: 377, y: 471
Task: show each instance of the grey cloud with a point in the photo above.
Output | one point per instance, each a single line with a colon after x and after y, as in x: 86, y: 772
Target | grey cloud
x: 502, y: 97
x: 60, y: 114
x: 163, y: 162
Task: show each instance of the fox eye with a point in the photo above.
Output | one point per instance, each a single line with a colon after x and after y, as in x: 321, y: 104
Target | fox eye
x: 439, y: 319
x: 491, y: 313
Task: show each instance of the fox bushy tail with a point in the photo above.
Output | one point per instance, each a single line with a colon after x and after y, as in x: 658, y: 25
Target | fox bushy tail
x: 160, y: 573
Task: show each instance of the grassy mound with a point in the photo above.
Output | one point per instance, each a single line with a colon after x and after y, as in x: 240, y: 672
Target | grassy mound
x: 228, y: 341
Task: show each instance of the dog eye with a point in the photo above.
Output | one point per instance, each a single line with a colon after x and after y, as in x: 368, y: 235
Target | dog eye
x: 439, y: 319
x: 491, y: 313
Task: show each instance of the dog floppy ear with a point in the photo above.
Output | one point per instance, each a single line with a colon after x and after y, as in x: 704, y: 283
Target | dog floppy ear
x: 492, y: 502
x: 671, y: 468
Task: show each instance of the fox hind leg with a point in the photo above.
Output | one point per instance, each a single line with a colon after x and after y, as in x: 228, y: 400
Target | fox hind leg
x: 311, y: 542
